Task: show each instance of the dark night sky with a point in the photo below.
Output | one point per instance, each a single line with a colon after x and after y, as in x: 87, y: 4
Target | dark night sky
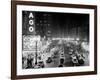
x: 59, y: 24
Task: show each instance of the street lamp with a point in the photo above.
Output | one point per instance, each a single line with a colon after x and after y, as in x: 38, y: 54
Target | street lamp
x: 36, y: 54
x: 36, y: 39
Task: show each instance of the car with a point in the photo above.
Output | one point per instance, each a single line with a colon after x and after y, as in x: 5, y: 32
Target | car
x: 49, y: 60
x: 40, y: 64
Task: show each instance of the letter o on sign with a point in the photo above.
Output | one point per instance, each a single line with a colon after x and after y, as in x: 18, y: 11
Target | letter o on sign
x: 31, y: 29
x: 31, y: 22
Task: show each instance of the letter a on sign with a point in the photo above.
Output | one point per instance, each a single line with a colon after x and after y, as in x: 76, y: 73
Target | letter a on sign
x: 31, y: 15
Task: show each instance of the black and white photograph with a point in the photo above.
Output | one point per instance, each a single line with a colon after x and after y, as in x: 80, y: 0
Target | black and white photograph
x: 54, y: 39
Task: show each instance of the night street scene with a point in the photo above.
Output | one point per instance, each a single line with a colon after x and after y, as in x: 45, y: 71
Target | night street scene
x: 54, y: 39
